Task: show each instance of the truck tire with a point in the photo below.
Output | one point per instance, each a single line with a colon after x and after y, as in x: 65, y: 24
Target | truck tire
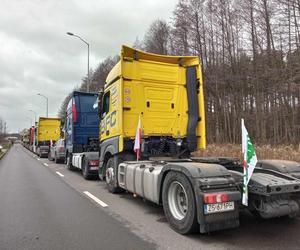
x: 85, y: 169
x: 179, y: 203
x: 69, y: 162
x: 111, y: 175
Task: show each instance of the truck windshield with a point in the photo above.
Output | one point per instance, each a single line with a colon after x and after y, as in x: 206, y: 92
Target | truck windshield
x: 87, y: 102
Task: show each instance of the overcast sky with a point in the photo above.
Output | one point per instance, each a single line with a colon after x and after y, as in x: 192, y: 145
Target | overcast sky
x: 36, y: 55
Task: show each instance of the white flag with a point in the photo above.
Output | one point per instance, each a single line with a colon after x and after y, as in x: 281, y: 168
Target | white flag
x: 137, y: 141
x: 249, y: 162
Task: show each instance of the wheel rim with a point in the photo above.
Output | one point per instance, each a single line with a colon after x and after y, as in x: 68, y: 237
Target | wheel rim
x: 109, y: 175
x: 178, y: 200
x: 68, y: 160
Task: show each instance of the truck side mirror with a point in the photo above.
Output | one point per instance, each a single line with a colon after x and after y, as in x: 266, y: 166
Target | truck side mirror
x: 100, y: 96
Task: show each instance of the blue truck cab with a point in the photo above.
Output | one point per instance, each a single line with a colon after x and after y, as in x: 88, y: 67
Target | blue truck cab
x: 82, y: 124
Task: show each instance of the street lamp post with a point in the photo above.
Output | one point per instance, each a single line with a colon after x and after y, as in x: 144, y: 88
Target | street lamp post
x: 46, y: 103
x: 35, y: 114
x: 88, y: 59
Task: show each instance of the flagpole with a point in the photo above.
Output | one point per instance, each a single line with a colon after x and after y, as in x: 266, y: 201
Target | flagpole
x: 137, y: 141
x: 245, y: 170
x: 243, y: 125
x: 249, y: 161
x: 244, y: 139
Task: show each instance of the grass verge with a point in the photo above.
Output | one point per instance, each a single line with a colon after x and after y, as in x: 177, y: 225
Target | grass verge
x: 4, y: 150
x: 282, y: 152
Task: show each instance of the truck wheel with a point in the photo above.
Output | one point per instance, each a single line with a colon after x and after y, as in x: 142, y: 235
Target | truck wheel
x: 179, y: 203
x: 111, y: 175
x: 85, y: 169
x: 69, y: 162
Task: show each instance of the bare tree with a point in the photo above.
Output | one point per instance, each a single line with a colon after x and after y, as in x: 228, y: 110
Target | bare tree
x: 250, y: 53
x: 248, y: 50
x: 157, y: 38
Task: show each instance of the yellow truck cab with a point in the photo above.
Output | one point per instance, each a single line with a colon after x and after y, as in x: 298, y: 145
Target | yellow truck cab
x: 165, y: 93
x: 48, y: 130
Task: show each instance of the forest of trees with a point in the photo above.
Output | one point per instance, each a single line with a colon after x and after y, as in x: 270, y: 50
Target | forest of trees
x: 250, y: 55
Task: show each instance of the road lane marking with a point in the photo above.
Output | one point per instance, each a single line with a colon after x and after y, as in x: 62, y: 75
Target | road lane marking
x: 38, y: 159
x: 100, y: 202
x: 46, y: 164
x: 60, y: 174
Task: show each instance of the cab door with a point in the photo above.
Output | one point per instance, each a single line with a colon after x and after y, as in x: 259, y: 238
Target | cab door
x: 109, y: 124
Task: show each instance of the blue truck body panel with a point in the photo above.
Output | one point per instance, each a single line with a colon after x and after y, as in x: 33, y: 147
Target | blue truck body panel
x: 82, y: 123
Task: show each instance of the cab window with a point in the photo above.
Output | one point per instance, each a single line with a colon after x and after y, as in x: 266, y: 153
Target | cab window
x: 105, y: 105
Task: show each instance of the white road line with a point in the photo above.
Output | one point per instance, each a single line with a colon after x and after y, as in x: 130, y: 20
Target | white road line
x: 46, y: 164
x: 100, y: 202
x: 61, y: 175
x: 38, y: 159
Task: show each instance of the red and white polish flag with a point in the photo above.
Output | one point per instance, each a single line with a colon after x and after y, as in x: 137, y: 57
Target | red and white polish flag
x: 138, y: 140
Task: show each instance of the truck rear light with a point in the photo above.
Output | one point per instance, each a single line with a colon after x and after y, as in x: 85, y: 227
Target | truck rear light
x: 215, y: 198
x: 93, y: 162
x: 223, y: 198
x: 210, y: 198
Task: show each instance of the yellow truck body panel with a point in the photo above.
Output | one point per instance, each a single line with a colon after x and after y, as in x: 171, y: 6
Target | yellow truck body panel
x: 152, y: 87
x: 48, y: 129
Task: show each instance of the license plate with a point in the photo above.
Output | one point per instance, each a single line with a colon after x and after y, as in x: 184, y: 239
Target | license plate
x: 93, y: 168
x: 218, y: 207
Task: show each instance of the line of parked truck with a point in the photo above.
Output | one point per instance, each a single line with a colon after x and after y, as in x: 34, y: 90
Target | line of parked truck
x: 76, y: 143
x: 164, y: 93
x: 38, y: 138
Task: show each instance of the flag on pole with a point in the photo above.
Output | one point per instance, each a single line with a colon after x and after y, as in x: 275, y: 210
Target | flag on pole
x: 137, y: 141
x: 249, y: 162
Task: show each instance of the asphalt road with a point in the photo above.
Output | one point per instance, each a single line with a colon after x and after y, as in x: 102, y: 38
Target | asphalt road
x: 43, y: 205
x: 38, y: 210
